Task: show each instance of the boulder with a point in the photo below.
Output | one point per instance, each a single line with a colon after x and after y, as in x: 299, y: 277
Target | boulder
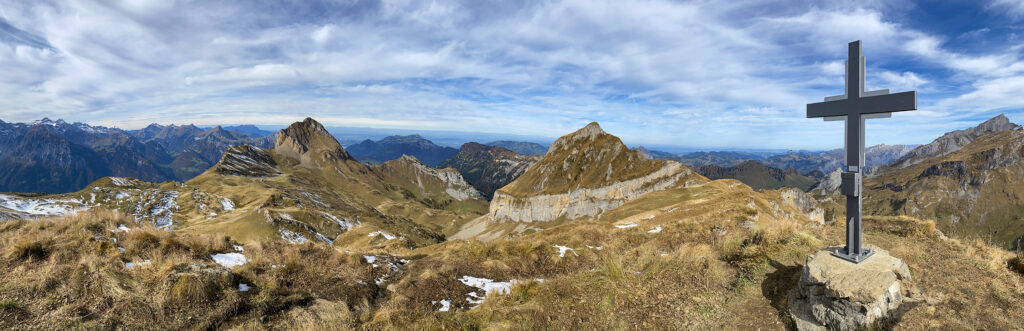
x: 836, y: 294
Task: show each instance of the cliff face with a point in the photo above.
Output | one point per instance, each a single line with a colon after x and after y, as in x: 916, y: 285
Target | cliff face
x: 446, y: 180
x: 583, y: 202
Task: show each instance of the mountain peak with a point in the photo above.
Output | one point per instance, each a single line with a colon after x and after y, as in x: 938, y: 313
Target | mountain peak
x: 998, y: 123
x: 303, y: 138
x: 591, y: 132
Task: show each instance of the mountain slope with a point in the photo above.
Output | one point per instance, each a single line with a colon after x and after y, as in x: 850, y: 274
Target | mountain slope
x: 393, y: 147
x: 759, y: 176
x: 488, y: 168
x: 973, y: 191
x: 953, y: 141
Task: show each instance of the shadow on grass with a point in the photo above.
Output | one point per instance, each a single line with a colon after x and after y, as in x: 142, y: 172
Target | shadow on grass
x: 776, y: 288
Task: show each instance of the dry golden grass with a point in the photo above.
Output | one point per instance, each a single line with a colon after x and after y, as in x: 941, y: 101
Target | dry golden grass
x: 69, y: 273
x: 714, y: 272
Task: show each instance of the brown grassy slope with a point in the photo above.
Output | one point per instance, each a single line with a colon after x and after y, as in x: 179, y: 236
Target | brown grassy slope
x: 712, y: 266
x: 69, y: 273
x: 696, y: 274
x: 582, y: 159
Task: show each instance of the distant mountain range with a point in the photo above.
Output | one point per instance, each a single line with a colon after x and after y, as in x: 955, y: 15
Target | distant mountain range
x: 248, y: 129
x: 811, y: 163
x: 759, y: 176
x: 520, y: 147
x: 393, y: 147
x: 55, y: 156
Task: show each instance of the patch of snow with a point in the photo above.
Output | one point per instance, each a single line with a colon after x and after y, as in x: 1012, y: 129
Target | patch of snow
x: 625, y: 226
x: 370, y: 258
x: 120, y: 249
x: 344, y: 224
x: 41, y: 207
x: 649, y: 218
x: 229, y: 260
x: 242, y: 287
x: 122, y: 228
x: 121, y: 181
x: 445, y: 304
x: 384, y: 234
x: 292, y: 237
x: 487, y: 285
x: 227, y: 204
x: 595, y: 247
x: 121, y: 195
x: 130, y: 265
x: 563, y: 249
x: 655, y: 229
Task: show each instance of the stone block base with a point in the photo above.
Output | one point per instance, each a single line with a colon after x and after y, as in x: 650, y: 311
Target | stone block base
x: 836, y: 294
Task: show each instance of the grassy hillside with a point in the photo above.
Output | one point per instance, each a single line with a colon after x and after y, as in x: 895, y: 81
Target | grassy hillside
x: 708, y: 271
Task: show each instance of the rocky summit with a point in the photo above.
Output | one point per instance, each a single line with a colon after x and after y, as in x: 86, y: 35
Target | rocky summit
x: 583, y: 173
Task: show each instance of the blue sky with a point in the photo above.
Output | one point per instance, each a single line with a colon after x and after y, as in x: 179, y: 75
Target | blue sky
x: 718, y: 75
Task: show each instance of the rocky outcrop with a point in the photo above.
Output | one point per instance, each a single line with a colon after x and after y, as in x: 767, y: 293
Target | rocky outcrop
x: 247, y: 161
x: 583, y: 202
x: 830, y: 184
x: 451, y: 179
x: 803, y: 203
x: 836, y: 294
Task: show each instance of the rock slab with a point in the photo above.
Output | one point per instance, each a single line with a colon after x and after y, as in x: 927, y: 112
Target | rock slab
x: 835, y: 294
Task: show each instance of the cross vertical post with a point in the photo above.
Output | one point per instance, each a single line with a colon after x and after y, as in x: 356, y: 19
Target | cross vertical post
x: 854, y: 107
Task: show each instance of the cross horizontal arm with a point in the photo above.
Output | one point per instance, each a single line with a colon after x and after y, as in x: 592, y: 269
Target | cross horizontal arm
x: 885, y: 103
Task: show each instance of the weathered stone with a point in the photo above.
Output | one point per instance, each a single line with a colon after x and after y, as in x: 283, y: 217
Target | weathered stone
x: 840, y: 295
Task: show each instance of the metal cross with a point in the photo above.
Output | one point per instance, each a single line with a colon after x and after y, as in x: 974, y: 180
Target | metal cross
x: 854, y: 107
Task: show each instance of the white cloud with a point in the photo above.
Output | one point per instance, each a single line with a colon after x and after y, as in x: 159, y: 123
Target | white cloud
x: 687, y: 73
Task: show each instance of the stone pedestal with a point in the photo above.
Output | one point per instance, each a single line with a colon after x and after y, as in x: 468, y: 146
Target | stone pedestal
x: 836, y: 294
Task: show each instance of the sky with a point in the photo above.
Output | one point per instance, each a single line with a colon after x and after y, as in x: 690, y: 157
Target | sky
x: 709, y: 74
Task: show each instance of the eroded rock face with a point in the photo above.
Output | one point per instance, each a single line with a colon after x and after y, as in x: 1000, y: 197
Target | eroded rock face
x: 248, y: 161
x: 456, y: 186
x: 583, y: 202
x: 836, y: 294
x: 804, y: 203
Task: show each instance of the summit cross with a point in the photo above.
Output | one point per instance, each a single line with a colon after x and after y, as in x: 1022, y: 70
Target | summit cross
x: 855, y: 107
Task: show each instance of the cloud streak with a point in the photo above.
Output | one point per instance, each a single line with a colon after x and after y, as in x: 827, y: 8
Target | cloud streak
x: 695, y: 74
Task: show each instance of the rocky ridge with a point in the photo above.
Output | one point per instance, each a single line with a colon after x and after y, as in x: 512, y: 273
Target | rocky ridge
x: 489, y: 168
